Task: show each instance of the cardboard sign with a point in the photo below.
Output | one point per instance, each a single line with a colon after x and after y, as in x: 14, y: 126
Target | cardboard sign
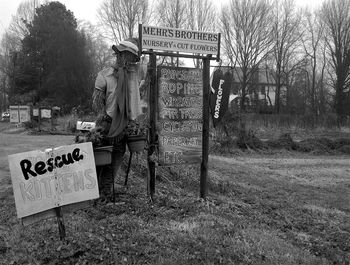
x: 179, y: 40
x: 180, y: 122
x: 53, y: 178
x: 220, y: 94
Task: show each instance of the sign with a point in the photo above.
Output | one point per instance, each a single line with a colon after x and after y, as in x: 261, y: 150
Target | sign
x: 85, y: 125
x: 179, y: 40
x: 55, y: 177
x: 180, y: 102
x: 24, y: 113
x: 19, y: 114
x: 45, y: 113
x: 35, y: 112
x: 14, y: 114
x: 220, y: 94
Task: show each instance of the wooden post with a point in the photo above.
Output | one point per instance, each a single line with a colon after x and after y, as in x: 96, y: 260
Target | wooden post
x: 61, y: 227
x: 205, y: 134
x: 39, y: 118
x: 51, y: 120
x: 152, y: 117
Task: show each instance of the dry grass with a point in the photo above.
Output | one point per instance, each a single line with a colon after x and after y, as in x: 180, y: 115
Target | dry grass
x: 279, y: 208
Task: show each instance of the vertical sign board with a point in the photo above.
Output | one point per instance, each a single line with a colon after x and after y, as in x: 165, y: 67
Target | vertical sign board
x: 180, y: 115
x: 14, y: 114
x: 24, y: 113
x: 53, y: 178
x: 222, y: 80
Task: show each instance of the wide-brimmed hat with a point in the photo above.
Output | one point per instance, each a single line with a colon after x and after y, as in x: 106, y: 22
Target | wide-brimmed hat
x: 130, y: 45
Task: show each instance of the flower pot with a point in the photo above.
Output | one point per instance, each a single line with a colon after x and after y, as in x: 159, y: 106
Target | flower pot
x: 136, y: 143
x: 103, y: 155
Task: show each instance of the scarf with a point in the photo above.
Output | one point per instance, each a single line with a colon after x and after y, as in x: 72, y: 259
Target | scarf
x: 120, y: 117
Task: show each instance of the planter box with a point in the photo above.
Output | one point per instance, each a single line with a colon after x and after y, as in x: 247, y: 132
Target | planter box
x: 103, y: 155
x: 136, y: 143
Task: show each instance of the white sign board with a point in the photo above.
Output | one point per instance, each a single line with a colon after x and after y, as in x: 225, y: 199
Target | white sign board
x: 19, y: 113
x: 55, y: 177
x: 85, y: 125
x: 179, y: 40
x: 45, y: 113
x: 35, y: 112
x: 24, y: 113
x: 14, y: 114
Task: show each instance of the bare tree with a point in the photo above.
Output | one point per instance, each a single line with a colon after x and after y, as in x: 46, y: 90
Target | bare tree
x: 286, y: 33
x: 202, y: 16
x: 336, y: 17
x: 24, y: 15
x: 98, y: 49
x: 312, y: 41
x: 8, y: 54
x: 246, y: 38
x: 120, y: 18
x: 172, y: 13
x: 12, y: 42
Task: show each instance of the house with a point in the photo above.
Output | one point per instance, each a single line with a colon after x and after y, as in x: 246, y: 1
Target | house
x: 260, y: 92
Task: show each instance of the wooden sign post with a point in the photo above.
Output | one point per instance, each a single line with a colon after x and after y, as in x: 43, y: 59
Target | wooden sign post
x: 179, y: 101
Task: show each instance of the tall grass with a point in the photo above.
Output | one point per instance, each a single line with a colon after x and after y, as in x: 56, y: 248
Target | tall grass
x: 273, y: 125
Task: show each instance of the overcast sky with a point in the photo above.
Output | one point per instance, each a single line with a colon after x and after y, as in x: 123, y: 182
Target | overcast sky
x: 86, y: 9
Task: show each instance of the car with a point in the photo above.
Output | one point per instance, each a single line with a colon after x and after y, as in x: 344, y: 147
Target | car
x: 5, y: 116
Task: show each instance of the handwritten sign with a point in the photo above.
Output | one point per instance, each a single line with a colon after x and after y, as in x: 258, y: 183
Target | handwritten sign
x: 55, y: 177
x: 180, y: 121
x: 179, y: 40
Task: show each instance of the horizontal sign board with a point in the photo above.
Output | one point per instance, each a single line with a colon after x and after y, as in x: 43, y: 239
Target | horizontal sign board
x: 85, y: 125
x: 179, y: 40
x: 43, y: 180
x: 45, y: 113
x: 19, y: 114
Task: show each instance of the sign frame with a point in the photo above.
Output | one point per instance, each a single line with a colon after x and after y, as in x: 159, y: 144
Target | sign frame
x: 153, y: 137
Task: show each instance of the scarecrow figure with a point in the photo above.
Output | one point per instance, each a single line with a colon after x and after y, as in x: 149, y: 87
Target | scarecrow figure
x: 117, y: 100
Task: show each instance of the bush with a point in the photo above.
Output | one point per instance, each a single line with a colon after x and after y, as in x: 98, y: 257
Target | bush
x: 30, y: 124
x: 249, y: 140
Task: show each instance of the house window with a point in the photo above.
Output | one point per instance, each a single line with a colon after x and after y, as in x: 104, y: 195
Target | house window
x: 262, y: 90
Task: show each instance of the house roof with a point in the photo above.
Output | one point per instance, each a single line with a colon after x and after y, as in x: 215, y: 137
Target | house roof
x: 261, y: 76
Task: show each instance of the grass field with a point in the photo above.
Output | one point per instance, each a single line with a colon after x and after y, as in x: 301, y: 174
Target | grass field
x: 280, y: 207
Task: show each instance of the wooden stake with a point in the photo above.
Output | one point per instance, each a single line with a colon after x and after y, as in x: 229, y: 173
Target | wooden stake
x: 60, y: 222
x: 152, y: 117
x: 205, y: 133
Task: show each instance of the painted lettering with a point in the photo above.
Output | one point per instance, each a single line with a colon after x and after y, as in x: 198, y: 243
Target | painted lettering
x: 25, y: 167
x: 40, y: 166
x: 218, y: 100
